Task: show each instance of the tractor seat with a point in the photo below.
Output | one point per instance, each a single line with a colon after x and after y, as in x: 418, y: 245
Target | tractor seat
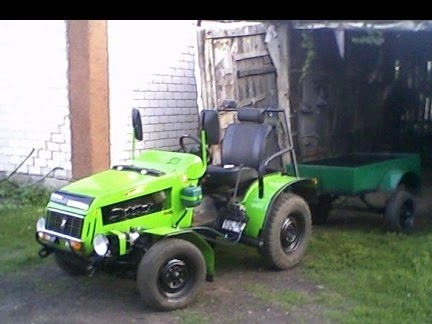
x: 245, y: 145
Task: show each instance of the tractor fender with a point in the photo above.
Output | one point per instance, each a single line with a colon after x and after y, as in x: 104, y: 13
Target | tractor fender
x: 190, y: 235
x: 257, y: 208
x: 395, y: 177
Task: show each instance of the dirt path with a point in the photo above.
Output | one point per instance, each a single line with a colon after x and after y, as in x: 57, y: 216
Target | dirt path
x: 43, y: 294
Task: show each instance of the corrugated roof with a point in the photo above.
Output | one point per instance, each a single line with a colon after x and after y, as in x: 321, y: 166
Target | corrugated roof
x: 379, y: 25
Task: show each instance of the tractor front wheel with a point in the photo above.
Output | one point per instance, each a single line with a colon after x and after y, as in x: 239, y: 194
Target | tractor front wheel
x: 170, y: 274
x: 287, y: 232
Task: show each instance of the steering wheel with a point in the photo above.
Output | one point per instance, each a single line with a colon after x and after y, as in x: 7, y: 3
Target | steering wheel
x: 183, y: 145
x: 196, y: 140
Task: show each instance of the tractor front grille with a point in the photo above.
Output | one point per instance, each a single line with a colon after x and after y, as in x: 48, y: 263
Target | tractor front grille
x: 67, y: 224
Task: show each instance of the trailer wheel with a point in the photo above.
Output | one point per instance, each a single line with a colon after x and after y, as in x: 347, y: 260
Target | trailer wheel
x: 70, y: 263
x: 399, y: 212
x: 170, y: 274
x: 287, y: 232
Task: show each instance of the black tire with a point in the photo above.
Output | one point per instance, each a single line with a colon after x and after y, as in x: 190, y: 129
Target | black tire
x: 170, y: 274
x: 399, y: 212
x: 287, y: 232
x: 70, y: 263
x: 320, y: 211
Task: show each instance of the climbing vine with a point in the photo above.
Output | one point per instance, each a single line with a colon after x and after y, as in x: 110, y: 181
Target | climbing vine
x: 372, y: 37
x: 307, y: 43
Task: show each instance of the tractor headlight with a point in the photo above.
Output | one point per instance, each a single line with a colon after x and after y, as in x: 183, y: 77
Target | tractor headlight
x: 101, y: 244
x: 40, y: 224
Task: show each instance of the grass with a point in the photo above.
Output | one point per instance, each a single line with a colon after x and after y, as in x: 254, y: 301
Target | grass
x: 188, y: 316
x: 18, y: 246
x: 385, y: 277
x: 365, y: 274
x: 333, y: 305
x: 20, y: 207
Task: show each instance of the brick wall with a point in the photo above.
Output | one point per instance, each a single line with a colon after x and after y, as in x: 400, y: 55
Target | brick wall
x: 34, y: 109
x: 151, y: 69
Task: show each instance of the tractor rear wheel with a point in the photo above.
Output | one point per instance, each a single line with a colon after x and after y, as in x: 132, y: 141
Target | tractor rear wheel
x: 170, y: 274
x: 287, y: 232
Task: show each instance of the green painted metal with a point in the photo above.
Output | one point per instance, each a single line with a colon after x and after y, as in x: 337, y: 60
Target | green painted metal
x: 202, y: 244
x: 191, y: 196
x: 181, y: 170
x: 257, y: 208
x: 122, y: 241
x: 177, y: 173
x: 361, y: 172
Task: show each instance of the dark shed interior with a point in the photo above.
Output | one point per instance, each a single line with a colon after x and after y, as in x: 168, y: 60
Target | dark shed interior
x: 361, y: 87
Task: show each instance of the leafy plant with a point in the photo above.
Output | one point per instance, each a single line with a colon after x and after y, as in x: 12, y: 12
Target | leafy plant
x: 307, y: 43
x: 12, y: 194
x: 372, y: 37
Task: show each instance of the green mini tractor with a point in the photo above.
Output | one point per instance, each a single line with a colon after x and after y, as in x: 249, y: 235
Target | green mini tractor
x: 161, y: 217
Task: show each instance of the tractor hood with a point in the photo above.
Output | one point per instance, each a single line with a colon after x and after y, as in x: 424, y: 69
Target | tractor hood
x: 151, y: 172
x: 109, y: 182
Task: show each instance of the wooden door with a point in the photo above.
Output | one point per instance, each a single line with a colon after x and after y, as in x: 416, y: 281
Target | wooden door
x: 236, y: 65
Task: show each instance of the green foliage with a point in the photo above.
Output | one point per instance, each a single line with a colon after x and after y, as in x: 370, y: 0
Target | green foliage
x: 375, y: 38
x: 11, y: 194
x: 307, y: 43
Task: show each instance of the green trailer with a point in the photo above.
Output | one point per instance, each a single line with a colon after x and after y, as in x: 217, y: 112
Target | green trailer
x: 359, y: 174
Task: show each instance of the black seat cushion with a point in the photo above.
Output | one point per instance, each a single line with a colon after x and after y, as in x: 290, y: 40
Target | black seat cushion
x: 244, y: 147
x: 218, y: 175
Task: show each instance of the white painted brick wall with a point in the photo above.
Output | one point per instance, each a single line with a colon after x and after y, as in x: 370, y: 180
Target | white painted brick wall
x: 34, y: 106
x: 151, y: 67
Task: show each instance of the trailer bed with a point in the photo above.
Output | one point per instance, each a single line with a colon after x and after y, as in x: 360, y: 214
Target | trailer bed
x: 357, y: 173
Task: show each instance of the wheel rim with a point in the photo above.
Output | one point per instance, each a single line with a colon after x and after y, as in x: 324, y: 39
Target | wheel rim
x: 173, y: 277
x: 290, y: 234
x: 406, y: 215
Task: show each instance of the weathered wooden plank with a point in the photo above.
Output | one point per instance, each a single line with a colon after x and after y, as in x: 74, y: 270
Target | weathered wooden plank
x: 202, y: 67
x: 224, y: 69
x: 251, y: 101
x: 237, y: 32
x: 255, y: 71
x: 210, y: 75
x: 234, y: 51
x: 279, y: 52
x: 254, y: 54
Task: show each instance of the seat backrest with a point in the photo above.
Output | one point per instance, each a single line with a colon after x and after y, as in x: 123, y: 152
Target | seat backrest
x: 250, y: 141
x: 210, y: 124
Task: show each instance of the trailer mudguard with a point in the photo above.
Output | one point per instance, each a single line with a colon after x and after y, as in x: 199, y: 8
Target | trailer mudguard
x: 257, y: 208
x: 393, y: 178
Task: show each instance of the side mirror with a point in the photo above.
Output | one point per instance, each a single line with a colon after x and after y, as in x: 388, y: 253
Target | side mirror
x: 137, y: 124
